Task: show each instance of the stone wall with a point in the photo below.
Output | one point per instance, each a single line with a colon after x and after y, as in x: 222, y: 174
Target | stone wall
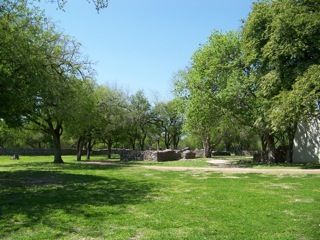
x: 34, y: 151
x: 188, y: 154
x: 50, y: 151
x: 131, y: 155
x: 125, y: 154
x: 199, y: 153
x: 167, y: 155
x: 160, y: 156
x: 150, y: 155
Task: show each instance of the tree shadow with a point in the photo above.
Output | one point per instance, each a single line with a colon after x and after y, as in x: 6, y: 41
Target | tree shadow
x: 251, y: 164
x: 34, y: 194
x: 83, y: 165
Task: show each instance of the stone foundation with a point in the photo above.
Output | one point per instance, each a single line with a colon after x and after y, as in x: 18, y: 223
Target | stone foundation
x: 188, y: 154
x: 160, y: 156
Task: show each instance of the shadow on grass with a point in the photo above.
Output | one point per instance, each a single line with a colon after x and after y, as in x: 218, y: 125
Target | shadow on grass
x: 34, y: 194
x: 251, y: 164
x: 83, y: 165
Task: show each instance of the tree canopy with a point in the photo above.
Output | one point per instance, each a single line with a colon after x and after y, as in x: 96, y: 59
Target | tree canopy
x: 265, y: 77
x: 255, y: 83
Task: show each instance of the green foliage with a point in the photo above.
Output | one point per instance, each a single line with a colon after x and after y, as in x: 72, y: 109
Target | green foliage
x: 263, y: 80
x: 22, y: 137
x: 112, y: 110
x: 40, y: 71
x: 216, y: 91
x: 298, y: 104
x: 169, y: 122
x: 281, y: 43
x: 139, y: 119
x: 20, y: 61
x: 99, y: 4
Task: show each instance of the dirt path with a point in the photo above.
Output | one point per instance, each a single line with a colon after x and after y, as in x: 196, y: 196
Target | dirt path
x: 232, y: 170
x: 227, y: 170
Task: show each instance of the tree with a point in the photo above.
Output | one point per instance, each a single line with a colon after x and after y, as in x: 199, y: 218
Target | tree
x: 99, y: 4
x: 21, y: 30
x: 224, y: 79
x: 169, y: 122
x: 19, y: 61
x: 201, y: 115
x: 45, y: 68
x: 22, y: 137
x: 55, y: 109
x: 112, y: 110
x: 139, y: 119
x: 281, y: 47
x: 84, y: 119
x: 214, y: 86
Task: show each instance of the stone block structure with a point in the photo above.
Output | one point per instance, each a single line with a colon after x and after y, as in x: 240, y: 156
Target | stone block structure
x: 188, y: 154
x: 131, y: 155
x: 199, y: 153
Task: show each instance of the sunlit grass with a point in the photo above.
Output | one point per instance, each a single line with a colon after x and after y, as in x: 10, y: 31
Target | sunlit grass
x: 41, y: 200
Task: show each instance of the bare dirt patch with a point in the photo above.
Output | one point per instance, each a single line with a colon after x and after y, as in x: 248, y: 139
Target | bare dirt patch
x: 221, y: 169
x: 235, y: 170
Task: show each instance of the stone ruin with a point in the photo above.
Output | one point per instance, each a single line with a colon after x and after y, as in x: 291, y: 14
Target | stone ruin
x: 188, y: 154
x: 167, y: 155
x: 199, y: 153
x: 160, y: 156
x: 131, y: 155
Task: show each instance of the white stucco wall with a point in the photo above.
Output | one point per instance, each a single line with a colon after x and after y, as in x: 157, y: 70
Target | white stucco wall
x: 307, y: 142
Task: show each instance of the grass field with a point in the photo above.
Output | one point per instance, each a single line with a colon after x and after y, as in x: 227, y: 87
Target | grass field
x: 40, y: 200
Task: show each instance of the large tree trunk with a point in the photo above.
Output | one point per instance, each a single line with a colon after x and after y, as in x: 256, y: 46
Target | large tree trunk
x: 263, y: 143
x: 291, y: 134
x: 133, y: 143
x: 142, y: 142
x: 167, y: 140
x: 271, y: 148
x: 56, y: 133
x: 176, y: 140
x: 109, y: 148
x: 158, y: 144
x: 207, y: 146
x: 227, y: 145
x: 89, y: 149
x: 79, y: 148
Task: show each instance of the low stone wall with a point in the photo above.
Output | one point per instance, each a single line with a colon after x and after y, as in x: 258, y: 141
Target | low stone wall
x: 188, y: 154
x: 150, y: 155
x: 199, y: 153
x: 50, y: 151
x: 160, y: 156
x: 34, y: 151
x: 125, y: 154
x: 131, y: 155
x: 167, y: 155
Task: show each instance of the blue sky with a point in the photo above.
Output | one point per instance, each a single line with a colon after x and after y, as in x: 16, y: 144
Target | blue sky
x: 140, y: 44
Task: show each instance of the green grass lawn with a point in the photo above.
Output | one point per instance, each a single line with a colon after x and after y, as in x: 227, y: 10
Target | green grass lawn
x: 40, y: 200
